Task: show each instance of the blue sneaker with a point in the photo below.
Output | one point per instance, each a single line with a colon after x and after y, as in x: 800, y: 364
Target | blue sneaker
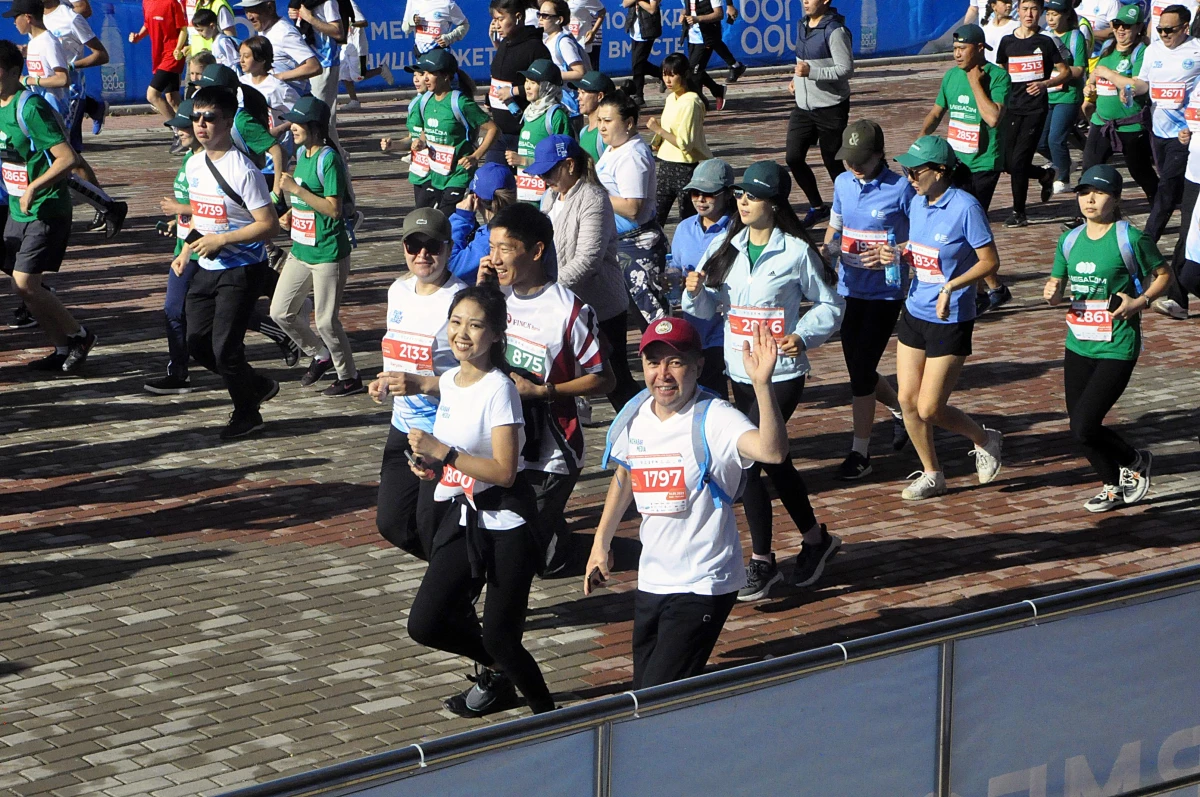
x: 816, y: 215
x: 98, y: 124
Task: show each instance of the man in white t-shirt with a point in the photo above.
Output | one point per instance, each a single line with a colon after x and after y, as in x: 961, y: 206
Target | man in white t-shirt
x: 75, y: 35
x: 690, y: 569
x: 232, y: 219
x: 295, y: 61
x: 1099, y: 13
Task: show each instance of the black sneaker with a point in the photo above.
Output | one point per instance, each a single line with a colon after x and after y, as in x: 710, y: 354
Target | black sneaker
x: 853, y: 467
x: 345, y: 387
x: 22, y: 318
x: 1046, y: 181
x: 316, y: 370
x: 242, y: 424
x: 998, y: 297
x: 98, y: 222
x: 1067, y: 226
x: 639, y: 100
x: 492, y: 692
x: 982, y: 302
x: 269, y: 391
x: 816, y: 215
x: 52, y: 362
x: 114, y: 219
x: 77, y: 352
x: 811, y: 560
x: 899, y: 434
x: 291, y: 352
x: 169, y: 385
x: 1017, y: 220
x: 558, y: 555
x: 735, y: 72
x: 760, y: 577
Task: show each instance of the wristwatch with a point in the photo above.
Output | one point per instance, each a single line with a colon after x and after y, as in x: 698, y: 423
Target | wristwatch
x: 451, y: 457
x: 946, y: 289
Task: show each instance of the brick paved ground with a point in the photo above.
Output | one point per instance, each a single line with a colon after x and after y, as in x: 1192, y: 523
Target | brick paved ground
x: 179, y: 616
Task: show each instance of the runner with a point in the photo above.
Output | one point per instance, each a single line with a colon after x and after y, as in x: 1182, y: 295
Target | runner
x: 295, y: 62
x: 1107, y: 262
x: 418, y: 154
x: 517, y: 47
x: 433, y: 24
x: 354, y: 60
x: 223, y: 46
x: 320, y: 257
x: 554, y: 355
x: 1099, y: 15
x: 567, y: 53
x: 322, y: 25
x: 255, y: 57
x: 643, y: 23
x: 418, y: 305
x: 689, y: 569
x: 232, y: 217
x: 456, y: 132
x: 871, y: 206
x: 36, y: 162
x: 167, y: 28
x: 950, y: 248
x: 252, y: 134
x: 975, y: 93
x: 593, y: 88
x: 487, y: 527
x: 587, y: 26
x: 760, y: 273
x: 198, y: 40
x: 492, y: 189
x: 1063, y: 25
x: 75, y: 36
x: 678, y: 138
x: 702, y: 28
x: 1001, y: 22
x: 821, y: 84
x: 544, y: 116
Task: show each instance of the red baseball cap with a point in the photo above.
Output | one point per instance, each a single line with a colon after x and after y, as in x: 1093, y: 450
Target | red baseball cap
x: 675, y: 332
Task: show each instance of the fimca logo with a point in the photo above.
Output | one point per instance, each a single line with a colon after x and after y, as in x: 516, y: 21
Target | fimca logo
x: 517, y: 322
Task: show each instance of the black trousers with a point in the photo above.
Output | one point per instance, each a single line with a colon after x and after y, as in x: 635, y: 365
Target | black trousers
x: 789, y: 486
x: 218, y: 308
x: 443, y: 612
x: 1177, y: 290
x: 722, y: 49
x: 698, y: 55
x: 1021, y: 134
x: 670, y: 179
x: 1093, y: 387
x: 641, y: 66
x: 404, y: 508
x: 1170, y: 158
x: 867, y: 327
x: 426, y: 196
x: 614, y: 331
x: 983, y: 187
x: 551, y: 492
x: 823, y: 127
x: 1136, y: 149
x: 673, y: 635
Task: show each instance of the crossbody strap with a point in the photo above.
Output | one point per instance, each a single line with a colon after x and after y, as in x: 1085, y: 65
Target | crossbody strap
x: 225, y: 186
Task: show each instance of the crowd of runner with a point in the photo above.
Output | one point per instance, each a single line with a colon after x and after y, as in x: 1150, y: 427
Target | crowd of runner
x: 538, y: 242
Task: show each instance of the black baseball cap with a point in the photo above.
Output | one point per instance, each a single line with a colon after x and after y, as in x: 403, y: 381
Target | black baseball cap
x: 182, y: 117
x: 19, y: 7
x: 766, y: 180
x: 1101, y: 177
x: 971, y: 34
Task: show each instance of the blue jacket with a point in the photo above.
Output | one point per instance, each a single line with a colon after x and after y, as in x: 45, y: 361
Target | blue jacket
x: 471, y: 245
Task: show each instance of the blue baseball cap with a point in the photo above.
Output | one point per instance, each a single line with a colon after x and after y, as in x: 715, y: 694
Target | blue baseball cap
x: 551, y: 151
x: 490, y: 178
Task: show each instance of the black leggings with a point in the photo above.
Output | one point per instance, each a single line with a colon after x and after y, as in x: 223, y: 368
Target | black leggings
x: 1021, y: 134
x: 443, y: 612
x: 866, y: 329
x: 698, y: 55
x: 670, y: 179
x: 402, y: 500
x: 614, y: 331
x: 823, y: 127
x: 1093, y: 387
x: 1179, y: 289
x: 444, y: 199
x: 789, y: 486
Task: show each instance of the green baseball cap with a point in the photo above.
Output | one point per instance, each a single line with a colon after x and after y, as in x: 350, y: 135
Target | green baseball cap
x: 1101, y: 177
x: 308, y: 109
x: 543, y: 70
x: 219, y: 75
x: 1129, y: 15
x: 430, y: 222
x: 437, y: 60
x: 928, y: 149
x: 1058, y: 5
x: 183, y: 116
x: 597, y: 82
x: 766, y: 180
x: 971, y: 34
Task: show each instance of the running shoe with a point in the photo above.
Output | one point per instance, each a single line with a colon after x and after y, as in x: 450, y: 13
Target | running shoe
x: 98, y: 223
x: 720, y: 102
x: 998, y: 297
x: 356, y: 223
x: 899, y: 434
x: 816, y: 215
x: 52, y: 362
x: 987, y: 456
x: 853, y: 467
x: 1017, y: 220
x: 176, y: 147
x: 169, y: 385
x: 352, y: 105
x: 639, y: 100
x: 492, y: 691
x: 735, y: 72
x: 98, y: 123
x: 760, y: 577
x: 78, y: 348
x: 982, y: 302
x: 1135, y: 480
x: 291, y: 352
x: 1169, y: 308
x: 242, y: 424
x: 1046, y: 181
x: 316, y: 370
x: 1062, y: 188
x: 1108, y: 499
x: 811, y: 561
x: 22, y: 318
x: 269, y: 391
x: 385, y: 72
x: 114, y: 219
x: 926, y: 485
x: 345, y: 387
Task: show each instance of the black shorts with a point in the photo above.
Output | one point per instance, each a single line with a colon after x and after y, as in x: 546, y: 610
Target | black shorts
x: 165, y: 82
x: 936, y: 340
x: 35, y: 247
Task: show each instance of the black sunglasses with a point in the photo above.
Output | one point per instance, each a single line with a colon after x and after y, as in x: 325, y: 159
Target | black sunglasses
x: 738, y: 193
x: 415, y: 243
x: 694, y: 194
x: 1167, y: 31
x: 544, y: 15
x: 208, y: 116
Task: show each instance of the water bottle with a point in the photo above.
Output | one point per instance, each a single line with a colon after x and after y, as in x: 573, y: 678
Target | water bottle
x: 891, y: 271
x: 674, y: 278
x: 868, y: 28
x: 1127, y: 96
x: 112, y: 74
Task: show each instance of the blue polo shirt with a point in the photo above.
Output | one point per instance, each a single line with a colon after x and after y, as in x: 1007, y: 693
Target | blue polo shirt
x: 864, y: 212
x: 942, y: 239
x: 688, y: 246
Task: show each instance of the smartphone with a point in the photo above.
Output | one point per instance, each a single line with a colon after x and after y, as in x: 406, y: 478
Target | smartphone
x: 595, y: 579
x: 1114, y: 302
x: 193, y: 236
x: 415, y: 460
x: 163, y: 228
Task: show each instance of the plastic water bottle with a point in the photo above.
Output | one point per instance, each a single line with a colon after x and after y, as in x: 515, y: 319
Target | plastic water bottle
x: 674, y: 278
x: 868, y: 28
x: 1127, y: 96
x: 891, y: 271
x: 112, y: 74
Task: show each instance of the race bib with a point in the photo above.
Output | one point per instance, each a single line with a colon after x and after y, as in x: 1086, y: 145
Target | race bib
x: 659, y: 487
x: 304, y: 226
x: 856, y: 242
x: 529, y: 187
x: 455, y: 481
x: 16, y: 178
x: 575, y: 26
x: 1106, y: 88
x: 527, y: 355
x: 1168, y: 96
x: 425, y: 36
x: 421, y: 164
x: 963, y: 137
x: 1090, y: 320
x: 208, y: 213
x: 34, y: 65
x: 183, y: 227
x: 744, y: 320
x: 926, y: 261
x: 1192, y: 115
x: 1026, y: 68
x: 441, y: 158
x: 408, y: 352
x: 499, y: 94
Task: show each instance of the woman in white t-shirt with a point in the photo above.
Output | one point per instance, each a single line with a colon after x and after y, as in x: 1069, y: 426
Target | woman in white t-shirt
x: 486, y: 529
x: 566, y: 52
x: 999, y: 24
x: 626, y: 170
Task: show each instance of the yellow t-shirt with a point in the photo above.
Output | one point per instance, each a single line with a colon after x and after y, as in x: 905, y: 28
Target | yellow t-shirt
x: 683, y: 117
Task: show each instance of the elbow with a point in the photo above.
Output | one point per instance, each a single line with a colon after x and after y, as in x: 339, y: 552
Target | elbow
x: 777, y: 454
x: 510, y: 477
x: 608, y: 382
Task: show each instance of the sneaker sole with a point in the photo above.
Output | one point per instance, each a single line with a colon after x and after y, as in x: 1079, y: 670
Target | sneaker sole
x: 762, y: 593
x: 354, y: 392
x: 816, y: 576
x: 1105, y: 508
x: 1142, y: 493
x: 270, y: 394
x: 77, y: 366
x: 842, y: 477
x: 938, y: 494
x: 256, y: 428
x: 167, y: 391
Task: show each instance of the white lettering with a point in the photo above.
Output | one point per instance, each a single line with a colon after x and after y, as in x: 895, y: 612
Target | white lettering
x: 617, y: 20
x: 769, y: 13
x: 379, y: 30
x: 774, y: 39
x: 1126, y: 774
x: 1030, y: 782
x: 1176, y: 743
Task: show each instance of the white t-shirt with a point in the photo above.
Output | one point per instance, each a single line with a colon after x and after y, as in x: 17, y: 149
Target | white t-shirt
x: 689, y: 8
x: 992, y: 34
x: 328, y: 51
x: 225, y: 50
x: 43, y: 56
x: 566, y: 51
x: 290, y: 50
x: 695, y: 549
x: 1099, y: 12
x: 628, y: 171
x: 1171, y: 75
x: 438, y: 17
x: 416, y: 343
x: 1158, y: 6
x: 225, y: 19
x: 71, y: 29
x: 215, y: 212
x: 554, y: 336
x: 583, y: 16
x: 465, y: 419
x: 280, y: 96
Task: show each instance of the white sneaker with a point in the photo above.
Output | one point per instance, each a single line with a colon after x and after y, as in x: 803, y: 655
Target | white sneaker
x: 1106, y: 500
x: 352, y: 105
x: 385, y: 72
x: 987, y: 457
x: 927, y: 485
x: 1060, y: 187
x: 1169, y: 308
x: 1135, y: 481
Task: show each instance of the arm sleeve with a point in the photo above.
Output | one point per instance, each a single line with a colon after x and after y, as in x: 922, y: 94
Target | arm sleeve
x: 1056, y: 52
x: 83, y: 31
x: 835, y: 213
x: 254, y: 189
x: 585, y: 341
x: 330, y: 12
x: 941, y: 100
x: 843, y: 58
x: 474, y: 115
x: 633, y: 178
x: 257, y: 137
x: 724, y: 427
x: 334, y: 182
x: 406, y: 22
x: 225, y: 18
x: 619, y: 453
x: 504, y: 407
x: 825, y: 316
x: 1059, y: 269
x: 975, y: 223
x: 1141, y: 69
x: 1002, y: 53
x: 460, y: 31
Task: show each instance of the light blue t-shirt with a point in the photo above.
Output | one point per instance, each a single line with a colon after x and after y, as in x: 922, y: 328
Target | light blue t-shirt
x: 942, y: 240
x: 864, y: 212
x: 687, y: 252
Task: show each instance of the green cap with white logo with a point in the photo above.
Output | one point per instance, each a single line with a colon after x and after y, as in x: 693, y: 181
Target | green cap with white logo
x: 766, y: 180
x: 928, y: 149
x: 1101, y: 177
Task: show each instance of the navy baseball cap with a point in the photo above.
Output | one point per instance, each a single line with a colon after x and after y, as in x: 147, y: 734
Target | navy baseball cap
x: 766, y: 180
x: 490, y: 178
x: 551, y: 151
x: 543, y: 70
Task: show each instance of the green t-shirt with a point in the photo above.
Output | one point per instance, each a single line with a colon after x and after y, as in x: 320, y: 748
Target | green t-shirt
x: 418, y: 174
x: 589, y: 139
x: 977, y: 145
x: 1109, y: 106
x: 317, y: 238
x: 448, y: 139
x: 534, y: 130
x: 1074, y: 45
x: 754, y: 252
x: 26, y: 158
x: 1097, y: 272
x: 257, y: 137
x: 183, y: 197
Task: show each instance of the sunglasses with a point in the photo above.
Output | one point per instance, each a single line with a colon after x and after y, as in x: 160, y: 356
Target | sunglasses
x: 1167, y: 31
x: 915, y: 172
x: 1120, y: 26
x: 738, y: 193
x: 415, y: 244
x: 208, y: 116
x: 544, y: 15
x: 703, y: 195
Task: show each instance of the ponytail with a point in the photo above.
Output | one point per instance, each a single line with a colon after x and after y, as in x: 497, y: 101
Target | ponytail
x: 465, y: 84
